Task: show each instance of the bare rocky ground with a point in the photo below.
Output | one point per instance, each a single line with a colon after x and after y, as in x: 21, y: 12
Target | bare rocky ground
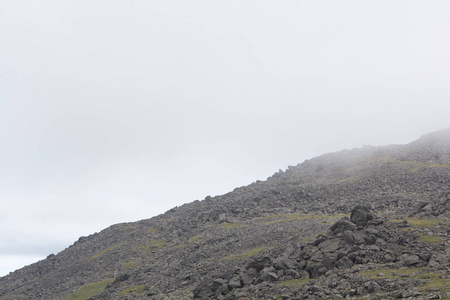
x: 371, y: 222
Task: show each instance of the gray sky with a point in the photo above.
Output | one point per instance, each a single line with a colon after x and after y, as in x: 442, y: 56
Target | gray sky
x: 115, y: 111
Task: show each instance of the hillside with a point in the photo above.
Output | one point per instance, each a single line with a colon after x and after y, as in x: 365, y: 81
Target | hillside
x: 368, y: 222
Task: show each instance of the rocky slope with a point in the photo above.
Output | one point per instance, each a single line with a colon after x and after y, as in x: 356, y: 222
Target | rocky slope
x: 301, y: 234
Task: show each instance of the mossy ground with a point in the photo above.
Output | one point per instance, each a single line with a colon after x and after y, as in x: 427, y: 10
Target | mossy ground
x: 137, y: 289
x: 294, y: 282
x: 431, y: 281
x: 246, y: 254
x: 152, y: 230
x: 130, y: 265
x: 295, y: 217
x: 391, y: 273
x: 349, y: 179
x: 414, y: 166
x: 425, y: 223
x: 104, y: 251
x: 232, y: 225
x: 180, y: 246
x: 429, y: 239
x: 152, y: 245
x: 195, y: 238
x: 89, y: 290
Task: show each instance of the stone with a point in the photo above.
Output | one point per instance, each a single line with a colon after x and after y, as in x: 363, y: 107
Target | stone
x: 372, y: 287
x: 259, y: 263
x: 203, y: 291
x: 292, y: 273
x: 328, y: 262
x: 344, y: 263
x: 285, y: 263
x: 348, y: 237
x: 361, y: 215
x: 246, y: 279
x: 330, y: 245
x: 370, y: 239
x: 343, y: 224
x: 268, y: 274
x: 235, y: 282
x: 411, y: 260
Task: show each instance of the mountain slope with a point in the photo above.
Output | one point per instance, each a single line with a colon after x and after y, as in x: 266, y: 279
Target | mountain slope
x: 190, y: 247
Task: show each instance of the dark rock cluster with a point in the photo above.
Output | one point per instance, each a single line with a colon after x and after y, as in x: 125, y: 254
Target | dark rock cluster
x: 361, y: 240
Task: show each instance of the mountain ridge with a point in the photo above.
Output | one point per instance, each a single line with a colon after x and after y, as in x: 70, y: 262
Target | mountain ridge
x: 191, y: 248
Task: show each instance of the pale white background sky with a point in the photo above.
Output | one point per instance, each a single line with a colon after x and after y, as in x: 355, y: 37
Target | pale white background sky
x: 115, y: 111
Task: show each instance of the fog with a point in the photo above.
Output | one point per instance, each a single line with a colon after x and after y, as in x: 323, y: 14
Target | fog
x: 116, y: 111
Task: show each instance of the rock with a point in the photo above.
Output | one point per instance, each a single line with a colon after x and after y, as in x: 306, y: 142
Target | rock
x: 268, y: 274
x: 315, y: 289
x: 203, y: 291
x: 349, y: 237
x: 259, y: 263
x: 361, y: 215
x: 292, y: 273
x: 219, y: 283
x: 372, y: 287
x: 285, y: 263
x: 370, y: 239
x: 235, y: 282
x: 343, y: 224
x: 411, y: 260
x: 388, y: 258
x: 246, y: 279
x: 241, y: 295
x: 330, y: 245
x: 328, y: 262
x: 344, y: 263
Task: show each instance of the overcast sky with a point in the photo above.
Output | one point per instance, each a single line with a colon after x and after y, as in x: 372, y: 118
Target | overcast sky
x: 116, y: 111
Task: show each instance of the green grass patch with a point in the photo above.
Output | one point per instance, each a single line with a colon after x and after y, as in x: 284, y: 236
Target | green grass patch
x: 152, y: 230
x: 295, y: 217
x: 130, y: 265
x: 349, y: 179
x: 416, y: 166
x: 437, y: 284
x: 138, y: 289
x: 429, y: 239
x: 420, y: 166
x: 152, y: 245
x: 294, y: 282
x: 391, y: 273
x: 104, y: 251
x: 180, y: 246
x: 89, y: 290
x: 232, y: 225
x: 266, y: 217
x: 246, y: 254
x: 127, y: 226
x: 421, y: 222
x: 195, y: 238
x: 428, y: 276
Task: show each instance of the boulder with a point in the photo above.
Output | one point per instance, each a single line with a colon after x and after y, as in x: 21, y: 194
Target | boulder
x: 342, y: 225
x: 259, y: 263
x: 412, y: 260
x: 285, y: 263
x: 268, y: 274
x: 361, y: 215
x: 235, y: 282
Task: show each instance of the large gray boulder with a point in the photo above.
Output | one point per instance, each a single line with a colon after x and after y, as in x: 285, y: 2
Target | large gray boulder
x: 361, y: 215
